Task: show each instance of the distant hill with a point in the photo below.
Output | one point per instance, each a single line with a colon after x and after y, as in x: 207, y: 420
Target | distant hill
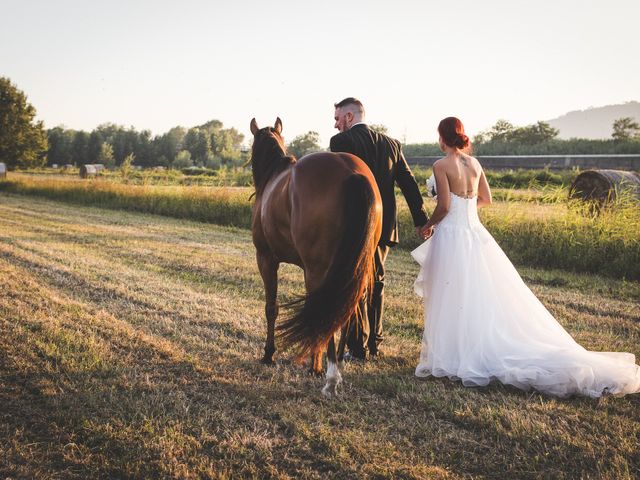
x: 595, y: 122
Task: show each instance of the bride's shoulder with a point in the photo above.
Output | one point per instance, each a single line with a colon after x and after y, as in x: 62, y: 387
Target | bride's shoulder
x: 473, y: 159
x: 440, y: 163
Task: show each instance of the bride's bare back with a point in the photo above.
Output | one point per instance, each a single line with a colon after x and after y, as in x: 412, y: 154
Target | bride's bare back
x: 462, y: 175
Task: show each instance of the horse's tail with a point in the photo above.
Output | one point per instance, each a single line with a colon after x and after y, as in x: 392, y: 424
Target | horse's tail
x: 330, y: 306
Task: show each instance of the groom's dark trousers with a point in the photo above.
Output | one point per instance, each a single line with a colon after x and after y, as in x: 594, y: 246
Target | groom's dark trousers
x: 384, y: 157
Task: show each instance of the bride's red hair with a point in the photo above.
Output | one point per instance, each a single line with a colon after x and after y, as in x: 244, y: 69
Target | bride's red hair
x: 452, y: 132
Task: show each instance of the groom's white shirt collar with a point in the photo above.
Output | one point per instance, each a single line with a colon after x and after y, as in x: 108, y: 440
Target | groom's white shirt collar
x: 359, y: 123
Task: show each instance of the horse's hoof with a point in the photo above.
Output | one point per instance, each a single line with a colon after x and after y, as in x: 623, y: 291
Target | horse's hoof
x: 330, y: 390
x: 316, y: 373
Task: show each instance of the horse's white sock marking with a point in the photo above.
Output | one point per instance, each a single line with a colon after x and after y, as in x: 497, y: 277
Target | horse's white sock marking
x: 333, y: 379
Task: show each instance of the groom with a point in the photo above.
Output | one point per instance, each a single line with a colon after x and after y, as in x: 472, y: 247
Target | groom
x: 384, y: 157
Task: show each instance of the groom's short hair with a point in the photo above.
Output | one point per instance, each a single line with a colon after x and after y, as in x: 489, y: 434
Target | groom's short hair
x: 350, y: 101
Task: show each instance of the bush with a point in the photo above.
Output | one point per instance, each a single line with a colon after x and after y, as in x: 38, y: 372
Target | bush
x: 213, y: 162
x: 182, y: 160
x: 199, y: 171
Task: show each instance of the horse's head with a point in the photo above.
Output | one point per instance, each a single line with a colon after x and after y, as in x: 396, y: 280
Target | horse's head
x: 267, y: 140
x: 268, y: 153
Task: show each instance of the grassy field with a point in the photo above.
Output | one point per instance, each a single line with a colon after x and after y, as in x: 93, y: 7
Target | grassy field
x: 536, y: 226
x: 241, y: 177
x: 129, y: 347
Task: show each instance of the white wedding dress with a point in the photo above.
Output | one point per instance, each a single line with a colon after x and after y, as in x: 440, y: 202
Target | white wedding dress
x: 482, y: 322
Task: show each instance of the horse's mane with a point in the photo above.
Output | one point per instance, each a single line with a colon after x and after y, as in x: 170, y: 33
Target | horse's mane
x: 268, y: 157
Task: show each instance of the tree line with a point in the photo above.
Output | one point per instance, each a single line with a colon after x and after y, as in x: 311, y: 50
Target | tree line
x: 540, y: 138
x: 25, y: 143
x: 208, y: 145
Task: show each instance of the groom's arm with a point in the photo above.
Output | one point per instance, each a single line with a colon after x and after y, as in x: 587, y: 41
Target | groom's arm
x: 409, y: 187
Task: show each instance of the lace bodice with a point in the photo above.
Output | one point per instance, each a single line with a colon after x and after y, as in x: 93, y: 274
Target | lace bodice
x: 463, y: 212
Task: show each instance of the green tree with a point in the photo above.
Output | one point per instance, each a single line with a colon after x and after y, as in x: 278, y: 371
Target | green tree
x: 126, y: 167
x: 304, y: 144
x: 225, y: 143
x: 198, y: 143
x: 119, y: 138
x: 79, y: 148
x: 625, y: 128
x: 126, y: 141
x: 211, y: 126
x: 60, y: 142
x: 23, y: 142
x: 143, y: 148
x: 106, y: 156
x: 533, y: 134
x: 94, y: 147
x: 505, y: 134
x: 182, y: 160
x: 169, y: 144
x: 500, y: 132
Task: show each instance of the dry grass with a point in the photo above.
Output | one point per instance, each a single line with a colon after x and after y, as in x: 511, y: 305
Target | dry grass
x: 129, y: 348
x: 220, y: 205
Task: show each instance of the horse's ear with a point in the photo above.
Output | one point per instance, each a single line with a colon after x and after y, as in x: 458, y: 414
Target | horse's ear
x: 278, y: 126
x: 254, y: 126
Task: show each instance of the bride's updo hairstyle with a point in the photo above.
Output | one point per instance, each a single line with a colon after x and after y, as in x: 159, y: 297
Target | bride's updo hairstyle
x: 452, y: 132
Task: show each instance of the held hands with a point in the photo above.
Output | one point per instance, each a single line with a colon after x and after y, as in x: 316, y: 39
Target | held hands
x: 424, y: 232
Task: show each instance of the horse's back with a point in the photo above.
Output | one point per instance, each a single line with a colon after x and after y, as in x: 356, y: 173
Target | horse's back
x: 328, y: 166
x: 318, y: 192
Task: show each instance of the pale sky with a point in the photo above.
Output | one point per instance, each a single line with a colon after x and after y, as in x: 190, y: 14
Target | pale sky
x: 157, y: 64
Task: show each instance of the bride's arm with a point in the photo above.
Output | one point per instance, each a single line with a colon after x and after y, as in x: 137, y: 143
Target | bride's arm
x: 484, y: 192
x: 442, y: 187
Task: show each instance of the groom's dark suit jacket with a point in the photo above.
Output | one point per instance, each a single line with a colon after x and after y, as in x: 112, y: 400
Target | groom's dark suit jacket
x: 386, y: 160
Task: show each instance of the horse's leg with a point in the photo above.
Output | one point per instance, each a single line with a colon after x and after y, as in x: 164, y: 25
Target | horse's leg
x: 313, y: 280
x: 316, y: 363
x: 269, y: 272
x: 341, y: 344
x: 333, y: 373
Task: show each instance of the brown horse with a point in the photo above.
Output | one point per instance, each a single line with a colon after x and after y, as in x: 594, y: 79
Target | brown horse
x: 322, y: 213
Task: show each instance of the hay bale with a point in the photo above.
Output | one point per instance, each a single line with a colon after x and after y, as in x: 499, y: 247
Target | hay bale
x: 88, y: 171
x: 604, y: 185
x: 3, y: 170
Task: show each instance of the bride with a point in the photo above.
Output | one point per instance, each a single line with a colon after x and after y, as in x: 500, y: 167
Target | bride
x: 482, y: 322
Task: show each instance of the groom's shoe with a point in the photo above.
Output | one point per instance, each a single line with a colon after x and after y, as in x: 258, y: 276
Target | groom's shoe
x: 352, y: 357
x: 376, y: 354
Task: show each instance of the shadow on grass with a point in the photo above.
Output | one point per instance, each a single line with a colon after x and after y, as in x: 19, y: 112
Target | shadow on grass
x: 258, y: 420
x: 118, y: 303
x: 599, y: 311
